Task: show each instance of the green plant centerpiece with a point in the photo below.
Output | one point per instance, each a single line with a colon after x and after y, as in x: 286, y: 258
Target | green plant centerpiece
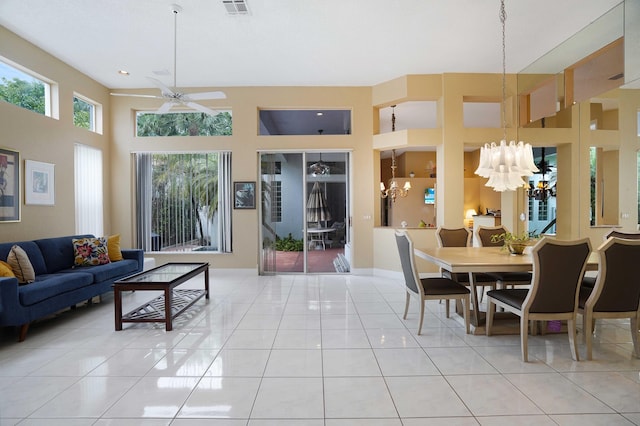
x: 516, y: 243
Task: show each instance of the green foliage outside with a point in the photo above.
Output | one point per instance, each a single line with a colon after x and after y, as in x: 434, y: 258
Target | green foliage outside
x: 188, y: 184
x: 184, y: 124
x: 289, y: 244
x: 82, y: 114
x: 25, y: 94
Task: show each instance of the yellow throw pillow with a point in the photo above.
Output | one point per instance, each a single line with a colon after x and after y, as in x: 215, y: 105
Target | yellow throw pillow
x: 113, y: 245
x: 21, y: 265
x: 5, y: 270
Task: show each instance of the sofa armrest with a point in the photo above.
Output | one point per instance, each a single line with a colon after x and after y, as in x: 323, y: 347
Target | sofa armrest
x: 134, y: 254
x: 8, y: 295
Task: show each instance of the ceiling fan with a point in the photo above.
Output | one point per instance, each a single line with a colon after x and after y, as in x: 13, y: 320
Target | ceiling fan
x: 172, y: 96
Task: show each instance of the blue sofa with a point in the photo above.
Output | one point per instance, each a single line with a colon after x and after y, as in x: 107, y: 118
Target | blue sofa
x: 59, y: 284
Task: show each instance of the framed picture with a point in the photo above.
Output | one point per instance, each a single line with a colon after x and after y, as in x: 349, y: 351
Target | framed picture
x: 9, y: 186
x: 244, y: 195
x: 39, y: 183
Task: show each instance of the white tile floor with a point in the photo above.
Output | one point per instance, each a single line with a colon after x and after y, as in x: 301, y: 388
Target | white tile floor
x: 311, y: 351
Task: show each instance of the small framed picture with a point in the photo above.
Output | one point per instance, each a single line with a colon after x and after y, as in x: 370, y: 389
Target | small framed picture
x: 244, y: 195
x: 39, y: 183
x: 9, y: 186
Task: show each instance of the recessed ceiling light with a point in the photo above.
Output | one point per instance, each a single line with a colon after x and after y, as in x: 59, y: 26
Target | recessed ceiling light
x: 319, y: 114
x: 123, y: 72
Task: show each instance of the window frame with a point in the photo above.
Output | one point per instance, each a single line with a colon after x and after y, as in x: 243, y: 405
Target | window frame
x: 50, y: 87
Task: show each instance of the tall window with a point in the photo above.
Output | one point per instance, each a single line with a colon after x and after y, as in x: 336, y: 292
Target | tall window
x: 183, y: 201
x: 24, y: 90
x: 88, y: 190
x: 183, y: 124
x: 86, y: 114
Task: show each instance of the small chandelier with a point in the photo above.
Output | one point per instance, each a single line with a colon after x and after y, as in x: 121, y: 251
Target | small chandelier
x: 505, y: 164
x: 394, y: 190
x: 543, y: 189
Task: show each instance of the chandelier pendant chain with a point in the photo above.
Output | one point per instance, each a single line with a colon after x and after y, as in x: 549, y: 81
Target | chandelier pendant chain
x: 175, y: 46
x: 503, y: 20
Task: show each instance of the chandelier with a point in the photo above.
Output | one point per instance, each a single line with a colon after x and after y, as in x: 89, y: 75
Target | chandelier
x: 505, y: 164
x: 394, y: 190
x: 543, y: 189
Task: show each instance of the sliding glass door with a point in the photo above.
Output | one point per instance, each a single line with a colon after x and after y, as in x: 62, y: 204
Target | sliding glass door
x: 304, y: 212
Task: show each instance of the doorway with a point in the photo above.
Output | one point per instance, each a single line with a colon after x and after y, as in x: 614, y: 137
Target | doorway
x: 304, y: 212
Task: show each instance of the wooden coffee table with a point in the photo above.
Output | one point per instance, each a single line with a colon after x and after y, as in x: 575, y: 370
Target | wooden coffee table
x: 169, y: 305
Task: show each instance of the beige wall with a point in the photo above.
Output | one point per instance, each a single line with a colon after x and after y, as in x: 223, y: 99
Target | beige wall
x: 245, y: 145
x: 50, y: 140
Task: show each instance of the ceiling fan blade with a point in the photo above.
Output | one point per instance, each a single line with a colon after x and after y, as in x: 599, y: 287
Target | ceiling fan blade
x: 165, y: 108
x: 206, y: 95
x: 136, y: 95
x: 161, y: 85
x: 201, y: 108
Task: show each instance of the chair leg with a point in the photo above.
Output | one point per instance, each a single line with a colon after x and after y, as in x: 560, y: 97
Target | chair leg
x: 587, y: 325
x: 467, y: 314
x: 422, y: 303
x: 571, y: 330
x: 524, y: 337
x: 406, y: 306
x: 491, y: 308
x: 635, y: 335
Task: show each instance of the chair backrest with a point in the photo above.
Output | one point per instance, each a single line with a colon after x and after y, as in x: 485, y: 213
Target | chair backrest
x: 558, y: 268
x: 617, y: 287
x: 453, y: 237
x: 625, y: 235
x: 484, y: 234
x: 407, y: 260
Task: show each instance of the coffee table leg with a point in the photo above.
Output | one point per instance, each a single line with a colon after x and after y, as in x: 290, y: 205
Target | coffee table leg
x: 206, y: 283
x: 117, y: 299
x: 168, y: 294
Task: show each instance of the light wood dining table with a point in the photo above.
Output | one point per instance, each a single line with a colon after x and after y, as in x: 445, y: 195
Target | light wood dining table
x: 482, y: 259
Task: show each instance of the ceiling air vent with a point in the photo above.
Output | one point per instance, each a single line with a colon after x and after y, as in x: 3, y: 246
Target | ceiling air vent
x: 236, y: 7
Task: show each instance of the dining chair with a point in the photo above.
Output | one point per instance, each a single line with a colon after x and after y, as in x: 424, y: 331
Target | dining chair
x: 617, y: 290
x: 590, y: 280
x: 484, y: 235
x: 461, y: 237
x: 432, y: 288
x: 558, y: 268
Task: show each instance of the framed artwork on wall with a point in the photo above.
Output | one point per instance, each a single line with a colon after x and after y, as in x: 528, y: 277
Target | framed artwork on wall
x: 244, y: 195
x: 39, y: 183
x: 9, y: 185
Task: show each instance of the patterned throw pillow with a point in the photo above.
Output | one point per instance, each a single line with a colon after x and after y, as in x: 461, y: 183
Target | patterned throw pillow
x: 21, y: 265
x: 90, y: 251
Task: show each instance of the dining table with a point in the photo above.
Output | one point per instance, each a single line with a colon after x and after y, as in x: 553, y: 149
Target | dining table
x: 471, y: 260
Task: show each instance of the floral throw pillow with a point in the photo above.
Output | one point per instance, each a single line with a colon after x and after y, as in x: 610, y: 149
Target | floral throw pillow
x: 90, y: 251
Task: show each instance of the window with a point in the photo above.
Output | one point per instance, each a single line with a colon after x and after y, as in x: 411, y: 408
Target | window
x: 183, y: 124
x: 24, y: 90
x: 276, y: 207
x: 85, y: 114
x: 88, y: 190
x: 543, y: 210
x: 183, y: 201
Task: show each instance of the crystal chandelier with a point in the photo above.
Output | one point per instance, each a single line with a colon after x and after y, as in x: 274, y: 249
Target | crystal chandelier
x: 394, y: 190
x: 505, y: 164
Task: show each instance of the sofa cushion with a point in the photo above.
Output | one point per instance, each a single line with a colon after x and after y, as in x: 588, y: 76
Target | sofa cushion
x: 90, y: 251
x: 58, y: 252
x: 5, y: 270
x: 108, y: 271
x: 50, y: 285
x: 113, y: 244
x: 21, y: 265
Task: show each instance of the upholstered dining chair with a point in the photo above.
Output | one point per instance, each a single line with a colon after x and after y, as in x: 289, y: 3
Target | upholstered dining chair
x: 558, y: 268
x: 590, y: 280
x: 461, y: 237
x: 484, y: 235
x: 424, y: 289
x: 616, y: 293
